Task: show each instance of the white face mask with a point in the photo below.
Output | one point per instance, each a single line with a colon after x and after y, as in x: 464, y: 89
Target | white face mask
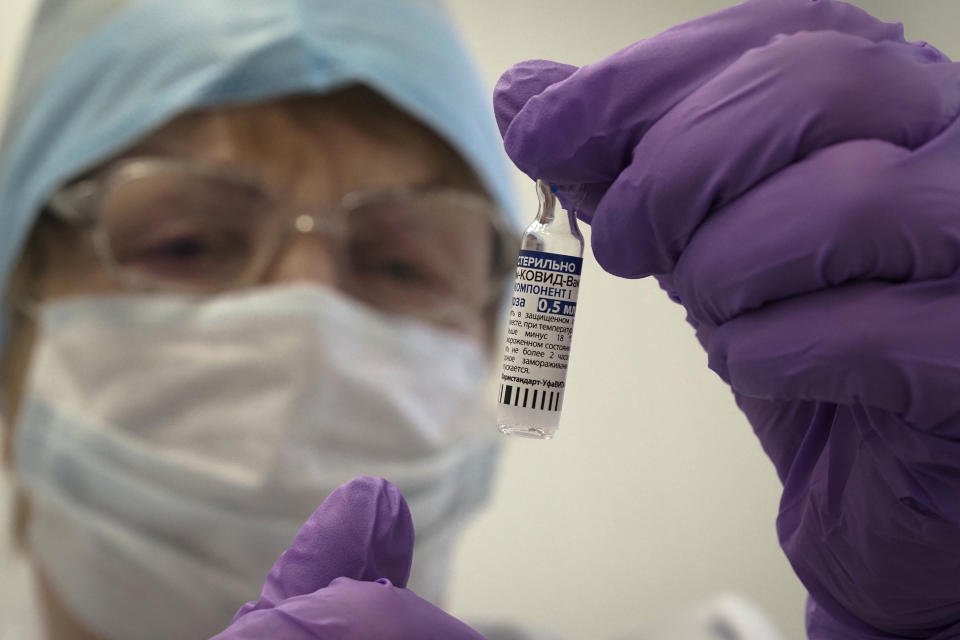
x: 171, y: 448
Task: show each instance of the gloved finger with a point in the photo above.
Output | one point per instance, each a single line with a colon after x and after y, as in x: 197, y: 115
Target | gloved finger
x: 872, y: 533
x: 774, y: 106
x: 869, y: 517
x: 515, y: 88
x: 381, y: 611
x: 583, y: 129
x: 352, y: 610
x: 893, y: 347
x: 822, y: 626
x: 363, y: 530
x: 864, y: 210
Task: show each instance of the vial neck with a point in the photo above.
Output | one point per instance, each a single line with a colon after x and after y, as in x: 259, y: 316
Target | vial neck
x: 551, y: 214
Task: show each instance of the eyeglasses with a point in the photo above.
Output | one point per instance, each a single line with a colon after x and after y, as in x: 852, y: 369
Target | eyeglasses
x: 167, y: 225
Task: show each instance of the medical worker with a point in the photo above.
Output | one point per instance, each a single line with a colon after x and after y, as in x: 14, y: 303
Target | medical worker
x: 213, y: 313
x: 251, y: 249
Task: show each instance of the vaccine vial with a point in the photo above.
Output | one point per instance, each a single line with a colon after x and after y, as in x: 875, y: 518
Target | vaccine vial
x: 536, y: 349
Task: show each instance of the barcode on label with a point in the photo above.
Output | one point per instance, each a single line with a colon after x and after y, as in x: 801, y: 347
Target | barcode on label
x: 530, y: 398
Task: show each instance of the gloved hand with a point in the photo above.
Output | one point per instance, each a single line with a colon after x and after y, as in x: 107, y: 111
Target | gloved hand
x: 343, y: 577
x: 790, y: 170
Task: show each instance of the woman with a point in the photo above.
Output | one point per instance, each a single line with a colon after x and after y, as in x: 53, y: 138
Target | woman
x: 745, y: 159
x: 252, y: 250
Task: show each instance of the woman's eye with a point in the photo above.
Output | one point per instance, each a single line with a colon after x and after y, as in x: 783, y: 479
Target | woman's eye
x: 403, y: 272
x: 397, y: 268
x: 182, y: 249
x: 195, y: 252
x: 191, y: 259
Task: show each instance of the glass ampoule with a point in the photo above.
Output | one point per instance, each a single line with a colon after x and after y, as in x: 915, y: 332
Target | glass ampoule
x: 536, y: 349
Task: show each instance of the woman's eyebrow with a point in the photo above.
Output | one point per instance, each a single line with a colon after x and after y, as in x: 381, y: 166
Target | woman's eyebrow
x: 438, y: 177
x: 158, y: 148
x: 443, y: 179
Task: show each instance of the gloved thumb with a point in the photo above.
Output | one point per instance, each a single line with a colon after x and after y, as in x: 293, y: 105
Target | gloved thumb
x: 516, y: 87
x: 520, y: 83
x: 363, y: 531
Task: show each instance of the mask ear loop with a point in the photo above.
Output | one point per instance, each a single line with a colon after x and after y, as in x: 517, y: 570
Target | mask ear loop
x: 27, y: 308
x: 23, y: 300
x: 18, y: 309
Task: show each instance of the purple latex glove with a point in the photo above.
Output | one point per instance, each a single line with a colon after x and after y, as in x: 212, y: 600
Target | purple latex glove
x: 790, y: 170
x: 343, y: 577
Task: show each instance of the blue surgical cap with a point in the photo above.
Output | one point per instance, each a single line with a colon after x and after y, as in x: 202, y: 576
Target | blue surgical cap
x: 98, y: 75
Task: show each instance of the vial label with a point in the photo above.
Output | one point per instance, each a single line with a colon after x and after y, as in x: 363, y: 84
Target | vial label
x: 539, y: 330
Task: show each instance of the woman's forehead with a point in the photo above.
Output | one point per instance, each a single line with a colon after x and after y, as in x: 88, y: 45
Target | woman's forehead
x: 315, y: 147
